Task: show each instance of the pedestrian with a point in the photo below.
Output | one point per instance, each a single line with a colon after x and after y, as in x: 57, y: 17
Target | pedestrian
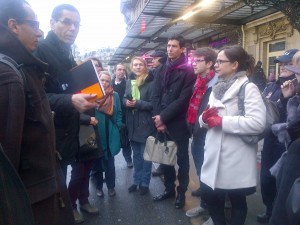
x: 172, y: 89
x: 119, y: 86
x: 259, y: 77
x: 229, y: 165
x: 203, y: 64
x: 290, y: 169
x: 272, y: 148
x: 55, y: 50
x: 139, y: 121
x: 27, y: 129
x: 110, y: 114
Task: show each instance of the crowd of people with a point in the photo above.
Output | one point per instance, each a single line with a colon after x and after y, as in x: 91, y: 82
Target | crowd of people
x: 174, y: 100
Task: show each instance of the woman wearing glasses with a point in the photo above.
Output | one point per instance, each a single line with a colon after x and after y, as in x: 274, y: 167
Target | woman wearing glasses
x: 229, y: 166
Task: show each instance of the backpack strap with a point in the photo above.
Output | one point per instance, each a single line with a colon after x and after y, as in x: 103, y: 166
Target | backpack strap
x: 15, y: 66
x: 241, y: 98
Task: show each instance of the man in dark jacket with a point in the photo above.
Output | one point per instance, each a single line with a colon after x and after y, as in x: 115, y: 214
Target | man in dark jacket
x: 272, y: 148
x: 27, y: 129
x: 203, y: 63
x: 119, y: 86
x: 159, y: 58
x: 56, y: 51
x: 172, y: 90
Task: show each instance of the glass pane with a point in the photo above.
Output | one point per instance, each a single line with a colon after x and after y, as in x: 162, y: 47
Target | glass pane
x: 272, y: 69
x: 279, y: 46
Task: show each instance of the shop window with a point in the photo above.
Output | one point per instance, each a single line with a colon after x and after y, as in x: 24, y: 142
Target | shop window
x: 274, y: 49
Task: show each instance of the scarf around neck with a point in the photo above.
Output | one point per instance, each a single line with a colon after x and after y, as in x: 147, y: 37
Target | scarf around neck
x: 171, y: 66
x: 196, y: 99
x: 135, y: 92
x: 106, y: 103
x: 223, y: 85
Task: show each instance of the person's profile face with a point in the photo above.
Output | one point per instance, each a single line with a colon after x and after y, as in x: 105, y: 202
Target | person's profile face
x: 283, y: 71
x: 67, y: 26
x: 26, y: 29
x: 174, y: 50
x: 155, y: 61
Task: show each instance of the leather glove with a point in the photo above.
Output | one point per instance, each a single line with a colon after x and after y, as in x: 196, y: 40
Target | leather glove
x: 209, y: 112
x: 214, y: 121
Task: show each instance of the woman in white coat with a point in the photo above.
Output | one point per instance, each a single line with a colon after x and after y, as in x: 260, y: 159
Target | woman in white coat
x: 229, y: 166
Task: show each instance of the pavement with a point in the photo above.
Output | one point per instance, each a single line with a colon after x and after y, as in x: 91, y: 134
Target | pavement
x: 133, y: 209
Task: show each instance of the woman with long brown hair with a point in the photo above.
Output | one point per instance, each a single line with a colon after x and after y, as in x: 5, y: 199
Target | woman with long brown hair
x: 229, y: 166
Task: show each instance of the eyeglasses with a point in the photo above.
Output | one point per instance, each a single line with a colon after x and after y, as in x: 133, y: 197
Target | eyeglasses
x: 198, y: 60
x: 32, y: 23
x: 68, y: 22
x: 220, y: 61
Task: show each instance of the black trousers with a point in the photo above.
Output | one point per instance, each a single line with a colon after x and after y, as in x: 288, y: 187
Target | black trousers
x: 215, y: 201
x: 272, y: 151
x: 183, y: 170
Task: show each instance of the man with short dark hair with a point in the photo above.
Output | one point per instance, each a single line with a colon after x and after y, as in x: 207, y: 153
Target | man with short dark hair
x: 119, y: 86
x: 56, y: 51
x: 26, y: 125
x: 172, y: 90
x: 203, y: 62
x: 159, y: 57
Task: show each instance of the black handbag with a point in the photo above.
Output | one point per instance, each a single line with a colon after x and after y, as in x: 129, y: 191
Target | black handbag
x: 87, y: 139
x: 293, y: 204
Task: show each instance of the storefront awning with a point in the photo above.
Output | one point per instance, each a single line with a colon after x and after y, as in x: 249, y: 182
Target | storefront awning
x: 161, y: 19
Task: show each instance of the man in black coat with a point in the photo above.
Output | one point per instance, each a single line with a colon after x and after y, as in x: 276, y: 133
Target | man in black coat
x: 172, y: 90
x: 26, y: 126
x: 56, y: 51
x: 119, y: 86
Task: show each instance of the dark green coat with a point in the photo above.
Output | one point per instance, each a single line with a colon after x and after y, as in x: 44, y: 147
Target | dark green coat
x: 108, y: 129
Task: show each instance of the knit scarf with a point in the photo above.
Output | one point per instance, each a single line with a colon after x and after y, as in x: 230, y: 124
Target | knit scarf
x: 171, y: 66
x: 196, y: 99
x: 106, y: 104
x: 223, y: 85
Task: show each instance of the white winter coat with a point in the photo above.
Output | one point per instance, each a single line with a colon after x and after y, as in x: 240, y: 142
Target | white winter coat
x: 229, y: 163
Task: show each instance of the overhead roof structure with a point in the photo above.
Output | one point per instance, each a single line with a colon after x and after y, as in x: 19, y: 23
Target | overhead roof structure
x: 161, y: 19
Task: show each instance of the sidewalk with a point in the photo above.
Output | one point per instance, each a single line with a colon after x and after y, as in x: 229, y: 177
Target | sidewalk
x: 255, y: 205
x: 133, y: 209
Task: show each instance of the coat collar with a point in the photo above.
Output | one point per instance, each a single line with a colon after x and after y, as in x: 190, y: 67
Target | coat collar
x: 12, y: 47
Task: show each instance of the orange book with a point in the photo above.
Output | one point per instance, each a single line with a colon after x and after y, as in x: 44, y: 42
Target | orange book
x: 83, y: 79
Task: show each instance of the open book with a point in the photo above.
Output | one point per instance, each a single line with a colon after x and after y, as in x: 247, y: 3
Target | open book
x: 83, y: 79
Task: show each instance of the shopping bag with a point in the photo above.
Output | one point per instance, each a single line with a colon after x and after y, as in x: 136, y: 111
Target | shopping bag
x: 160, y: 152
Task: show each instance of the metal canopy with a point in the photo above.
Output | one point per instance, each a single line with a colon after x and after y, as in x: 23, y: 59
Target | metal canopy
x: 159, y: 20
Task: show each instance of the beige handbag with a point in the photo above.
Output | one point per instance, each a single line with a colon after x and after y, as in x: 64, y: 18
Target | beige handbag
x: 160, y: 152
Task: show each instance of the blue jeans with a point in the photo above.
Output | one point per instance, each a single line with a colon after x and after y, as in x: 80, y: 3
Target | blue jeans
x: 197, y: 148
x: 142, y: 168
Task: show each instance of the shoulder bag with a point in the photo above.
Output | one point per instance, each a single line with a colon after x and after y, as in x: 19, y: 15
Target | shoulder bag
x: 272, y: 115
x: 160, y: 152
